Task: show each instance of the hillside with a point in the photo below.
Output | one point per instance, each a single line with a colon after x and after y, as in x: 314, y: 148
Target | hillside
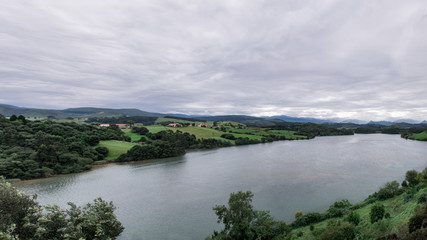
x: 83, y: 112
x: 393, y: 212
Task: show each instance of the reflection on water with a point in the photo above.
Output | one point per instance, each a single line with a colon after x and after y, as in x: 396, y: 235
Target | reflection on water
x: 173, y: 198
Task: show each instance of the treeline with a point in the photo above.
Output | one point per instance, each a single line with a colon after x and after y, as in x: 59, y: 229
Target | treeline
x: 312, y: 130
x: 123, y: 120
x: 33, y: 149
x: 167, y: 144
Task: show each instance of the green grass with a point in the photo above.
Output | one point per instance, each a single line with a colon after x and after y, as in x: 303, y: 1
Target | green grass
x: 133, y: 136
x: 420, y: 136
x: 116, y: 148
x: 262, y: 132
x: 400, y: 208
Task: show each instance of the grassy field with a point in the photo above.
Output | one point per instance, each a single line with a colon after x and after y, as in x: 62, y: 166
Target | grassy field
x: 400, y: 208
x: 116, y: 148
x: 420, y: 136
x: 262, y: 132
x: 134, y: 136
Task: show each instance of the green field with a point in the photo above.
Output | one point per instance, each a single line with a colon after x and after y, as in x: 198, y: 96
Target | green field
x: 116, y: 148
x: 135, y: 137
x: 262, y: 132
x: 420, y: 136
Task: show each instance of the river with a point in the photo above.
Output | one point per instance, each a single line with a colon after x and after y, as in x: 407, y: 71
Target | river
x: 173, y: 198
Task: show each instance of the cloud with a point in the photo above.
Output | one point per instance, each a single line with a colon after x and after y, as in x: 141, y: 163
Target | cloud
x: 323, y: 58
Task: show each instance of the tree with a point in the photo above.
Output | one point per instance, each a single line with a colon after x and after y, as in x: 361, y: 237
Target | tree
x: 411, y: 177
x: 389, y: 190
x: 241, y: 221
x: 22, y: 217
x: 238, y: 217
x: 22, y: 118
x: 377, y: 212
x: 130, y: 123
x: 13, y: 118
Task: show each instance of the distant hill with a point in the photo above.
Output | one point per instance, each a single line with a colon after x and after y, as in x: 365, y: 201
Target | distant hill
x: 248, y: 120
x: 84, y: 112
x: 302, y: 120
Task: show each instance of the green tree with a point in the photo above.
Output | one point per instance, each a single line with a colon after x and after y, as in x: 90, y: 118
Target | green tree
x: 130, y: 123
x: 241, y: 221
x: 377, y: 212
x: 13, y: 118
x: 411, y: 177
x: 22, y: 217
x: 238, y: 216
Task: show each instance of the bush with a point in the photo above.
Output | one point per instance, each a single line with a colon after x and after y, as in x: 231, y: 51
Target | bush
x: 422, y: 198
x: 354, y: 218
x: 344, y: 232
x: 389, y: 190
x: 307, y: 219
x: 377, y: 212
x: 411, y: 177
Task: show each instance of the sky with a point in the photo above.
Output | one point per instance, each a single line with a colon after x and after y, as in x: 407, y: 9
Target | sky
x: 354, y: 59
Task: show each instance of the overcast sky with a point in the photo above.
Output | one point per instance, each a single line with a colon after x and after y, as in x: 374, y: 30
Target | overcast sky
x: 358, y: 59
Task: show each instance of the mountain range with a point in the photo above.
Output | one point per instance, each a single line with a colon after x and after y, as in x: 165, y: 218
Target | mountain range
x: 87, y: 112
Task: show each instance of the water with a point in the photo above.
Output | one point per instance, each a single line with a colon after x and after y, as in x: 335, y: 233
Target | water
x: 173, y: 198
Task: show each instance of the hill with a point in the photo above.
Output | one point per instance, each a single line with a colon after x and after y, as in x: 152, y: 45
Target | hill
x: 83, y: 112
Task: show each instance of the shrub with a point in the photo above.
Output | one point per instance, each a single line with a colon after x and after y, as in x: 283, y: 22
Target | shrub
x: 354, y: 218
x: 344, y: 232
x: 298, y: 214
x: 377, y: 212
x: 411, y: 177
x: 307, y: 219
x: 422, y: 198
x: 389, y: 190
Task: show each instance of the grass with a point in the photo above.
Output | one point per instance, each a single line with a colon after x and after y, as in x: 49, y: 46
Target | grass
x: 116, y: 148
x: 400, y: 208
x: 420, y: 136
x: 135, y: 137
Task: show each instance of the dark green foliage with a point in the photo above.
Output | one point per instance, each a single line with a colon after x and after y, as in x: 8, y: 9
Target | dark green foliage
x: 389, y: 190
x: 307, y: 219
x: 422, y: 198
x: 338, y: 209
x: 17, y: 208
x: 123, y: 120
x: 344, y: 232
x: 245, y: 141
x: 42, y: 148
x: 411, y: 177
x: 404, y: 183
x: 102, y: 150
x: 23, y: 217
x: 377, y: 212
x: 13, y: 118
x: 311, y: 129
x: 228, y: 136
x: 354, y: 218
x: 241, y: 221
x: 140, y: 130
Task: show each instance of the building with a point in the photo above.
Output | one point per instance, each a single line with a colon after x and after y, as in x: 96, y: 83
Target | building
x: 174, y: 125
x: 104, y: 125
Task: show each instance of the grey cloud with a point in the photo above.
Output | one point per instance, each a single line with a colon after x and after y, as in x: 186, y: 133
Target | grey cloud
x: 360, y: 59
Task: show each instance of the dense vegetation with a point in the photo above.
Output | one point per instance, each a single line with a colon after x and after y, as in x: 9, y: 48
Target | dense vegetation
x: 31, y: 149
x: 22, y: 217
x: 393, y: 212
x: 167, y: 144
x: 123, y: 120
x: 311, y: 129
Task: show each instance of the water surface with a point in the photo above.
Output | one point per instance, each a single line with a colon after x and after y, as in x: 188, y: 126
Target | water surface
x: 173, y: 198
